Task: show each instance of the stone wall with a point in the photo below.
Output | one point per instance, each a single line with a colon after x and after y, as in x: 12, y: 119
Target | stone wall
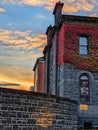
x: 23, y: 110
x: 53, y: 69
x: 69, y: 87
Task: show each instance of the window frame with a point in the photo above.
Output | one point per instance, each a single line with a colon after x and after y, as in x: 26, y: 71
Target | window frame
x: 84, y: 98
x: 85, y: 45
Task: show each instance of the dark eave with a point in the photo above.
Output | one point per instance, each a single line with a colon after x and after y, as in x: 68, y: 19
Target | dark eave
x: 48, y: 29
x: 48, y: 46
x: 73, y: 19
x: 45, y: 49
x: 38, y: 60
x: 78, y: 19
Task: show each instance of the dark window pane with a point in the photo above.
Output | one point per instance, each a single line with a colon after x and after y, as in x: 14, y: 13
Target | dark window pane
x: 84, y: 87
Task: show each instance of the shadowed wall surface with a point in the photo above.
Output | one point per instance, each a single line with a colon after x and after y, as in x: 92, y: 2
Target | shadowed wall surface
x: 23, y: 110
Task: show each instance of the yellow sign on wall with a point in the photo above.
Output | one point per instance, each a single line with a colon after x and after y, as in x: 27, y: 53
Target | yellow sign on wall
x: 83, y: 107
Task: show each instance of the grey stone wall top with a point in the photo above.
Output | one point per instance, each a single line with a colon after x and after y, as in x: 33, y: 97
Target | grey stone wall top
x: 30, y: 94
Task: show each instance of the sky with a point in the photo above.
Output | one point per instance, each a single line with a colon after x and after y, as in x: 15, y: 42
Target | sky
x: 23, y: 25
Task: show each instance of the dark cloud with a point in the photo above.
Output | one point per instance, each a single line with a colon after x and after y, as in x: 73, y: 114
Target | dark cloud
x: 8, y: 84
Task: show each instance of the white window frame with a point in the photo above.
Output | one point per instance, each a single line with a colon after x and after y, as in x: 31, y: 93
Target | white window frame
x: 83, y: 45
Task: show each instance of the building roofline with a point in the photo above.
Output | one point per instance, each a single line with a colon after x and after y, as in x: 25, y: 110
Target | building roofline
x: 70, y: 19
x: 37, y: 60
x: 77, y: 19
x: 49, y: 28
x: 45, y: 49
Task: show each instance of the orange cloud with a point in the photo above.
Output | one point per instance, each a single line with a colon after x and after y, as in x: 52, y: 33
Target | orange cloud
x: 26, y: 2
x: 73, y: 5
x: 13, y: 73
x: 38, y: 41
x: 2, y: 10
x: 22, y: 40
x: 93, y: 15
x: 25, y: 40
x: 78, y: 5
x: 16, y: 71
x: 16, y: 77
x: 69, y: 5
x: 33, y: 2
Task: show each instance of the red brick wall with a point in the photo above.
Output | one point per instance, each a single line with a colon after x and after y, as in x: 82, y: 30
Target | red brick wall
x: 40, y: 85
x: 68, y: 46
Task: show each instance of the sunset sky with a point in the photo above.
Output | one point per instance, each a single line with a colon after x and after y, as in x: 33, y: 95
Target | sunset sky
x: 23, y: 25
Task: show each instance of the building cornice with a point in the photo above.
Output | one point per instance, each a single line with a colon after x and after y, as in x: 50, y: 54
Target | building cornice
x: 38, y: 60
x: 77, y: 19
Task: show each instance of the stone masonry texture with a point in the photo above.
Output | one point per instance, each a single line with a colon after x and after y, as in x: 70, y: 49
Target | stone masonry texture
x: 69, y: 83
x: 67, y: 64
x: 25, y: 110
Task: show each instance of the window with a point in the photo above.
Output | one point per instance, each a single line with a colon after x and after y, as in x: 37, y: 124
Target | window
x: 84, y: 87
x: 83, y: 46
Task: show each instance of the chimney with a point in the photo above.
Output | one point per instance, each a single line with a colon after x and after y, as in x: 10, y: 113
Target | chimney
x: 58, y: 11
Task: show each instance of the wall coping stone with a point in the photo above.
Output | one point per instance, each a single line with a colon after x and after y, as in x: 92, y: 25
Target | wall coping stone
x: 37, y: 94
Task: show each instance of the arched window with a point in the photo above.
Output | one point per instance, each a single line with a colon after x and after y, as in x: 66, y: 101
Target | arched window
x: 84, y: 87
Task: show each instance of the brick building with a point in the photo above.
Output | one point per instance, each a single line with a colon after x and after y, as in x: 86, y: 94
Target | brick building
x: 71, y: 62
x: 39, y: 75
